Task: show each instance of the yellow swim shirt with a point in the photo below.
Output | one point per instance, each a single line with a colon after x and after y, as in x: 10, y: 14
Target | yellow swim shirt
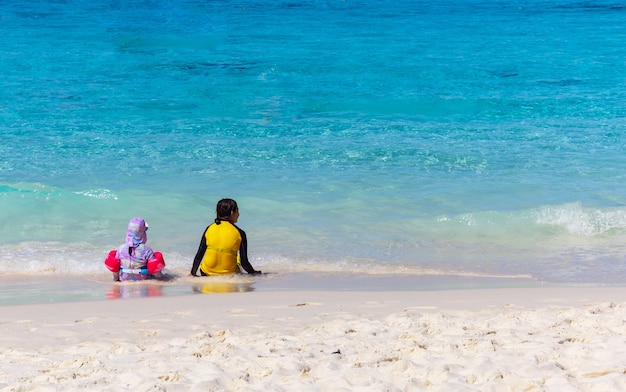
x: 223, y: 241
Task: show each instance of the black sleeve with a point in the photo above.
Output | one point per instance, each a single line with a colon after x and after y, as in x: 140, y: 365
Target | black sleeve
x: 199, y: 254
x: 243, y: 253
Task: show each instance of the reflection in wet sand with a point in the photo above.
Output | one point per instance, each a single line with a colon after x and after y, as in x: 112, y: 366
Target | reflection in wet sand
x: 222, y: 287
x: 134, y: 290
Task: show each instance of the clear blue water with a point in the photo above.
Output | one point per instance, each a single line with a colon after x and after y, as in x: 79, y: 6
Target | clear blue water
x: 476, y: 137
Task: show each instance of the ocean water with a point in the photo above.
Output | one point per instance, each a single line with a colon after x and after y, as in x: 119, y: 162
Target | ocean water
x: 475, y: 138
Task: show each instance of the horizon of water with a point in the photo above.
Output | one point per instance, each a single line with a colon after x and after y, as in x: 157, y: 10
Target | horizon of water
x: 478, y: 138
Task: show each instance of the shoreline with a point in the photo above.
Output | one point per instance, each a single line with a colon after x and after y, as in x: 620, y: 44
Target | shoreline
x: 26, y: 289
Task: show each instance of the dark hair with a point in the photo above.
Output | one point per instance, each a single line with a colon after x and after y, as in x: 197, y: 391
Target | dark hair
x: 224, y: 209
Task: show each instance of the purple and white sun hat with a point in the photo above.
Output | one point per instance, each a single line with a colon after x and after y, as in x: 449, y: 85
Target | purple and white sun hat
x: 136, y: 233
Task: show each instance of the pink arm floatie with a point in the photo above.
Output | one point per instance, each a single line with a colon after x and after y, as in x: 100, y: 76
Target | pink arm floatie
x: 112, y: 262
x: 156, y: 263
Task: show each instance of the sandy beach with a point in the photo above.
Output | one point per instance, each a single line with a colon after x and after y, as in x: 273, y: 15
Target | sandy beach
x: 501, y: 339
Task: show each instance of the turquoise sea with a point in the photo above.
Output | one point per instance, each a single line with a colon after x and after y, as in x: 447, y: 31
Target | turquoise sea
x: 477, y: 138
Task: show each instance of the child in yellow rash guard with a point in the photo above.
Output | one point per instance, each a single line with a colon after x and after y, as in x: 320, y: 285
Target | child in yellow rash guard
x: 217, y: 253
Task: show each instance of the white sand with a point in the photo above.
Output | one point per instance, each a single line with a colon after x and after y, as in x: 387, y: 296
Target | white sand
x: 536, y: 339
